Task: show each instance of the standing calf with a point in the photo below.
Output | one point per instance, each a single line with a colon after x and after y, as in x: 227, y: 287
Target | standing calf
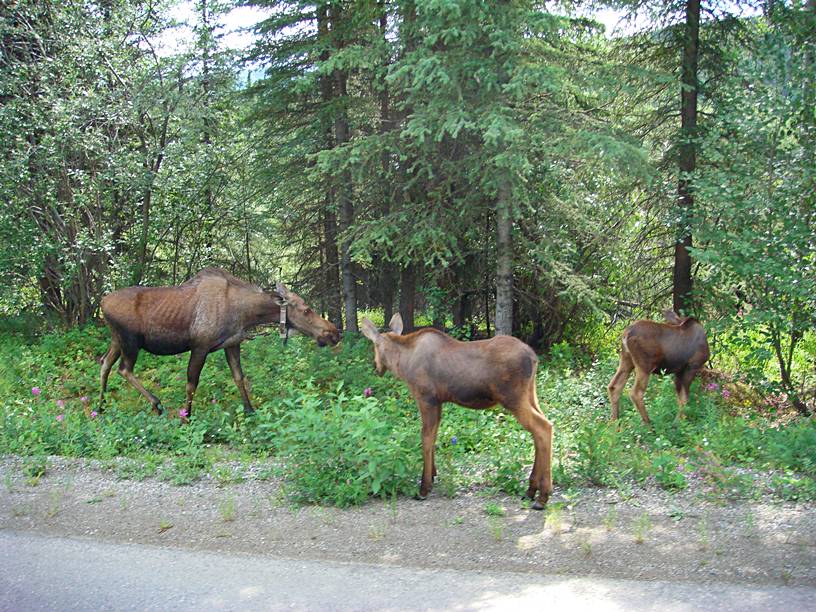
x: 477, y: 374
x: 677, y: 347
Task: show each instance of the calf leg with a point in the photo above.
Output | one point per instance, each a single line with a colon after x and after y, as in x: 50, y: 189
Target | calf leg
x: 126, y: 370
x: 197, y: 359
x: 541, y: 429
x: 638, y: 391
x: 431, y: 415
x: 107, y: 363
x: 618, y: 382
x: 682, y: 383
x: 233, y: 354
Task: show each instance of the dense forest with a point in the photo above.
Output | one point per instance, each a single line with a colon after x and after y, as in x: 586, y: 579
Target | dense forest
x: 504, y: 167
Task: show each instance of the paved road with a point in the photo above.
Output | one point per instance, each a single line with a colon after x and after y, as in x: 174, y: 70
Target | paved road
x: 50, y: 573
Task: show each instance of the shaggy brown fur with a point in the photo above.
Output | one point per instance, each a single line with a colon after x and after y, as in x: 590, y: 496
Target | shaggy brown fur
x: 211, y: 311
x: 479, y: 374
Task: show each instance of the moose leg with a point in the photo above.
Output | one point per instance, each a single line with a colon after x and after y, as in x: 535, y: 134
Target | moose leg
x: 682, y: 383
x: 638, y: 391
x: 126, y: 370
x: 541, y: 429
x: 107, y: 363
x: 618, y: 382
x: 431, y: 414
x: 233, y: 354
x: 537, y: 467
x: 197, y: 359
x: 434, y: 435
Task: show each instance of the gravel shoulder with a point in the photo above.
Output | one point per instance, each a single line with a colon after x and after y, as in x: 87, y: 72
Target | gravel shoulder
x: 648, y: 534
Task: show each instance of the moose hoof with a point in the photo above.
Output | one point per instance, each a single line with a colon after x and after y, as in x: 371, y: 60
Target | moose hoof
x: 537, y: 505
x: 420, y: 497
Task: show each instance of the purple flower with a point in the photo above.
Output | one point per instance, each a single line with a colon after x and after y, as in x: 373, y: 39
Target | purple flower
x: 183, y: 413
x: 214, y: 401
x: 726, y: 393
x: 84, y: 399
x: 60, y: 403
x: 35, y: 391
x: 367, y: 392
x: 60, y: 417
x: 712, y: 387
x: 454, y: 440
x: 94, y: 414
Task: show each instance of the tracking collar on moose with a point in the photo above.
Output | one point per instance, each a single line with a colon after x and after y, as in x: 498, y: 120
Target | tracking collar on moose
x: 478, y: 374
x: 211, y: 311
x: 677, y: 347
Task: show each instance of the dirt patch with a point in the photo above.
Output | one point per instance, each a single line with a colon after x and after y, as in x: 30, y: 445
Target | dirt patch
x: 647, y: 533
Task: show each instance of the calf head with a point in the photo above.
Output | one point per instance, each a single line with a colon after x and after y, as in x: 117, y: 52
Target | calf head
x: 384, y: 352
x: 300, y: 316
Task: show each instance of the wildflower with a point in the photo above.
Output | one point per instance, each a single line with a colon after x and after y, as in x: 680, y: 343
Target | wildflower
x: 368, y: 392
x: 183, y: 413
x: 712, y: 387
x: 214, y: 401
x: 454, y: 440
x: 94, y: 414
x: 60, y: 403
x: 35, y: 391
x: 60, y: 417
x: 726, y: 393
x: 84, y: 399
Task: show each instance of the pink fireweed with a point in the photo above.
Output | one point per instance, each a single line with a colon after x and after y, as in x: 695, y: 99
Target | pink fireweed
x: 94, y: 414
x: 183, y: 413
x: 60, y: 417
x: 84, y: 399
x: 712, y: 387
x: 35, y: 391
x: 60, y: 403
x: 367, y: 392
x: 726, y: 393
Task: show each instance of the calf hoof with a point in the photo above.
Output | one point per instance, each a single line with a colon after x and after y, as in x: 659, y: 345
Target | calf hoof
x: 537, y: 505
x: 420, y: 497
x: 159, y: 409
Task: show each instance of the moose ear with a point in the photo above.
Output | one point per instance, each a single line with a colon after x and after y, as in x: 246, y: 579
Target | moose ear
x: 282, y: 291
x: 671, y: 317
x: 396, y: 324
x: 369, y: 330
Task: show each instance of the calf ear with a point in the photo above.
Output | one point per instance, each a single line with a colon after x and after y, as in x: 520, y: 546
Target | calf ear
x: 282, y: 290
x: 369, y: 330
x: 396, y: 324
x: 671, y: 317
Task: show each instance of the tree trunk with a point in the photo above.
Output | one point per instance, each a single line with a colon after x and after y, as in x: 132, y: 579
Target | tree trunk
x: 331, y: 271
x: 407, y: 297
x: 504, y: 264
x: 681, y: 286
x: 345, y: 188
x: 334, y: 302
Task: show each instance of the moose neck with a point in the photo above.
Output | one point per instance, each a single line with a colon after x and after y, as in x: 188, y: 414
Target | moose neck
x: 263, y: 309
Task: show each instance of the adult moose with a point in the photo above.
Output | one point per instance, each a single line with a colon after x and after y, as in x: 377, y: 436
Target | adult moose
x: 211, y: 311
x: 478, y: 374
x: 677, y: 347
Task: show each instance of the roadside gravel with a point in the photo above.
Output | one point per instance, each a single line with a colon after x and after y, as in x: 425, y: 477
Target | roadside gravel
x: 646, y: 534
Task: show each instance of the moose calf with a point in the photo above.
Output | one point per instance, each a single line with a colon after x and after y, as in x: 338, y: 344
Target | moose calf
x: 479, y: 374
x: 677, y: 347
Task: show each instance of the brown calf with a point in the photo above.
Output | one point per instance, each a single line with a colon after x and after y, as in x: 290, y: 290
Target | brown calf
x: 677, y: 347
x: 211, y: 311
x: 479, y: 374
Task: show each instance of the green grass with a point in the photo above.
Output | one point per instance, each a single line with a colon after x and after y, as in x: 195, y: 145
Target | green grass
x: 335, y: 446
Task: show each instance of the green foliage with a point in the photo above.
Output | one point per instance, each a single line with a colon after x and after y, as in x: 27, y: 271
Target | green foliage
x: 332, y: 444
